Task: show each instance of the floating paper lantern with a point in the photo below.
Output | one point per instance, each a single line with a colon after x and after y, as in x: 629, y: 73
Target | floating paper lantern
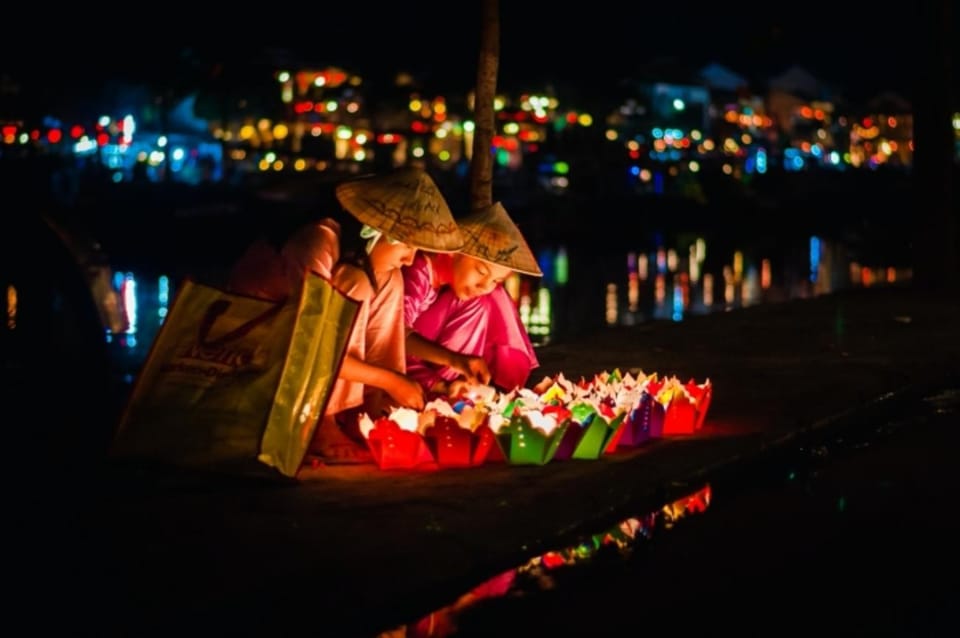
x: 666, y: 407
x: 644, y: 422
x: 394, y: 441
x: 558, y: 419
x: 528, y: 437
x: 442, y: 435
x: 554, y: 393
x: 680, y: 413
x: 702, y: 395
x: 589, y: 433
x: 686, y: 406
x: 453, y: 445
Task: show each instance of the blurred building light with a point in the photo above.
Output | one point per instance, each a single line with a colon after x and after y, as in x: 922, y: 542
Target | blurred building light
x: 672, y: 260
x: 561, y: 266
x: 815, y: 255
x: 660, y: 288
x: 765, y: 274
x: 11, y: 307
x: 611, y: 305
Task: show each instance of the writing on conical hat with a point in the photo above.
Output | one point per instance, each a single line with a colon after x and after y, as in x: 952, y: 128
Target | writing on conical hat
x: 492, y: 236
x: 407, y: 205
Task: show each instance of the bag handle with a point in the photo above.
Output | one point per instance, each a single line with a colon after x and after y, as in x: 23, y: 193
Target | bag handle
x: 220, y: 306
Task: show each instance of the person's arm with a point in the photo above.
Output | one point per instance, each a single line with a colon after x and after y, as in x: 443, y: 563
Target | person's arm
x: 473, y: 368
x: 314, y: 247
x: 405, y: 391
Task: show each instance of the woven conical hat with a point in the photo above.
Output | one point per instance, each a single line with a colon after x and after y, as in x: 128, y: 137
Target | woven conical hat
x: 493, y: 237
x: 405, y: 205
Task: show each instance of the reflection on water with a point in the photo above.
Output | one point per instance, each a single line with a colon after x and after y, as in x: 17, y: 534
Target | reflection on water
x: 535, y: 574
x: 791, y: 495
x: 144, y: 302
x: 659, y: 283
x: 664, y: 283
x: 11, y: 307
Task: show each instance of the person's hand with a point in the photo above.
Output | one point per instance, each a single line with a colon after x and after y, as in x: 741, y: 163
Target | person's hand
x: 543, y: 386
x: 474, y: 369
x: 406, y: 392
x: 457, y: 387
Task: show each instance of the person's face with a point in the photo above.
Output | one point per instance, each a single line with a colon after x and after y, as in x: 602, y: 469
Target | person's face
x: 473, y: 277
x: 387, y: 256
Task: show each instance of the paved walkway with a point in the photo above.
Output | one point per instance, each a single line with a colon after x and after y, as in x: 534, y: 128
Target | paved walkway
x: 354, y: 550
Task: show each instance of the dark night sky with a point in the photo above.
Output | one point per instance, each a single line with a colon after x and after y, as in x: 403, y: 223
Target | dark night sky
x: 859, y: 48
x: 754, y: 39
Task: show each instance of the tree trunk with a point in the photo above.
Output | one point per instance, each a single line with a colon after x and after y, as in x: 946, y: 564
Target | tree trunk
x: 935, y: 236
x: 481, y: 164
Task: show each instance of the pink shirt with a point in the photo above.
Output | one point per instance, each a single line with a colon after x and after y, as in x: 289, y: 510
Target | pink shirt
x: 488, y: 326
x: 263, y: 272
x: 378, y: 336
x: 420, y: 289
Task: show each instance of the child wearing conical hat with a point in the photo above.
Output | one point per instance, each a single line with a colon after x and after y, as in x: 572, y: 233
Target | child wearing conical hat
x: 401, y: 212
x: 461, y: 322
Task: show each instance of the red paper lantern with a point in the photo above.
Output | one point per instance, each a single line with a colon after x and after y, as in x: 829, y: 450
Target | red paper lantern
x: 452, y: 445
x: 393, y: 447
x: 702, y: 395
x: 681, y: 415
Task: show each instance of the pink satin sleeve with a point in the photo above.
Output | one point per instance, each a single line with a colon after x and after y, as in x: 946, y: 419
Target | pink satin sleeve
x: 418, y: 291
x: 488, y: 326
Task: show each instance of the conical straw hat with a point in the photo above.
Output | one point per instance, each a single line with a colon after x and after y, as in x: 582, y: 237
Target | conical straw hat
x: 493, y: 237
x: 405, y: 205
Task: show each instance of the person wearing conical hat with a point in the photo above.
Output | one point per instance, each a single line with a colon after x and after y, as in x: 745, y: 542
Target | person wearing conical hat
x: 461, y: 322
x: 401, y: 212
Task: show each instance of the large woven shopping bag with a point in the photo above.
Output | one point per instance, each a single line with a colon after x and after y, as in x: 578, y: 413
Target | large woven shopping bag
x: 232, y: 379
